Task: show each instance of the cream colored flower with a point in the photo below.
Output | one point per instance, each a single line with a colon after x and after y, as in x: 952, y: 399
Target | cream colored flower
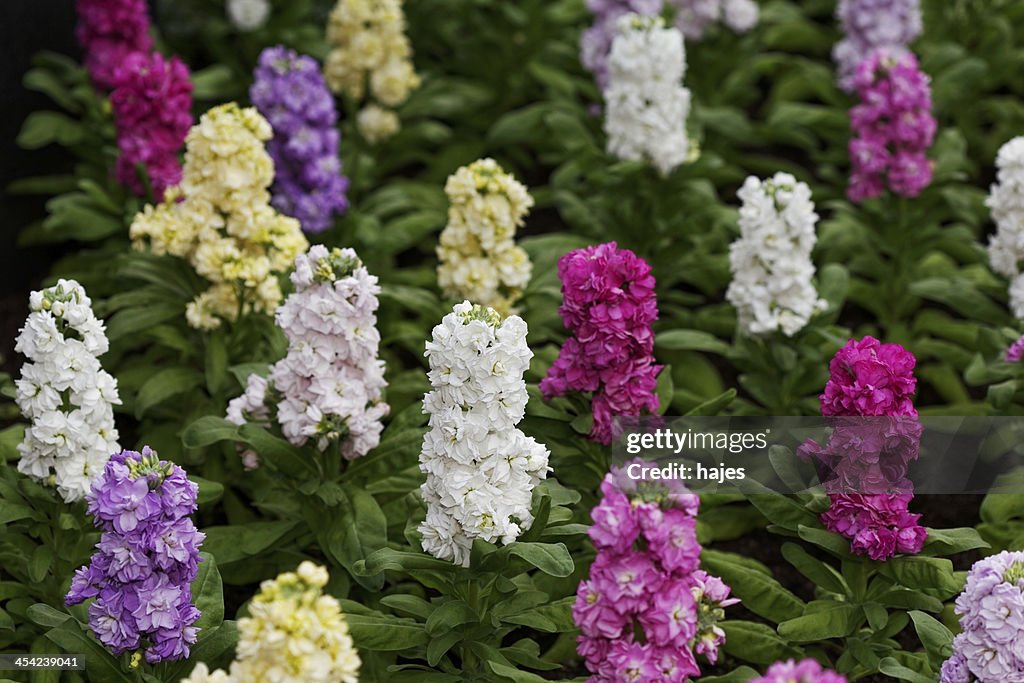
x: 478, y: 258
x: 293, y: 634
x: 370, y: 52
x: 376, y: 123
x: 220, y: 219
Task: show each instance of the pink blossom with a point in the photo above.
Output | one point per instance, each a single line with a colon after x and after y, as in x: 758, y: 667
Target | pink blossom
x: 893, y: 127
x: 805, y: 671
x: 615, y: 523
x: 608, y: 306
x: 670, y: 619
x: 674, y: 541
x: 152, y: 102
x: 110, y: 31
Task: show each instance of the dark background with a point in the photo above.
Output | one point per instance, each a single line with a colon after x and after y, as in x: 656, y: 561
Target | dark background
x: 26, y: 26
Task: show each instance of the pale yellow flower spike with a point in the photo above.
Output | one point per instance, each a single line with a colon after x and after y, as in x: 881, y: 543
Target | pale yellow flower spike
x: 220, y: 219
x: 371, y: 59
x: 478, y: 257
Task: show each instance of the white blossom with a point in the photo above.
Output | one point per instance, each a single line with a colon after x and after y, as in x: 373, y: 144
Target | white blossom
x: 248, y: 15
x: 647, y: 105
x: 772, y: 287
x: 1006, y: 202
x: 329, y: 386
x: 481, y: 469
x: 64, y: 391
x: 694, y: 17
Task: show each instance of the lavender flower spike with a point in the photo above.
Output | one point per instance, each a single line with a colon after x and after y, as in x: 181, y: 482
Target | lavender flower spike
x: 146, y: 559
x: 290, y: 91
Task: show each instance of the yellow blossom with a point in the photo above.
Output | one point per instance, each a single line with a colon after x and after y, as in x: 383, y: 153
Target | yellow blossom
x: 371, y: 55
x: 220, y: 219
x: 479, y: 259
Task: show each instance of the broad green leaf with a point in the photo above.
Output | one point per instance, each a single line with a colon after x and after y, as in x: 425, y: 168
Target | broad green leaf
x: 837, y: 621
x: 550, y: 558
x: 163, y: 385
x: 761, y: 594
x: 207, y: 430
x: 936, y: 638
x: 208, y: 593
x: 755, y: 643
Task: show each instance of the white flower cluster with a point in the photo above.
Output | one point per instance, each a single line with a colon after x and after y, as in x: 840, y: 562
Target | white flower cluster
x: 293, y: 634
x: 647, y: 105
x: 64, y: 391
x: 693, y: 17
x: 248, y: 15
x: 1006, y: 201
x: 329, y: 385
x: 771, y: 265
x: 481, y: 469
x: 479, y: 259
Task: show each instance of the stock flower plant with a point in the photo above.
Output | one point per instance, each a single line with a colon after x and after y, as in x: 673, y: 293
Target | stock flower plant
x: 783, y: 237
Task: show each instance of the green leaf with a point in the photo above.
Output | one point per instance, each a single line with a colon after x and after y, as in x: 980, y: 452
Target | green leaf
x: 826, y: 540
x: 39, y: 565
x: 691, y: 340
x: 388, y: 559
x: 952, y: 541
x: 837, y: 621
x: 923, y: 572
x: 277, y: 452
x: 164, y: 385
x: 448, y: 616
x: 354, y: 530
x: 550, y: 558
x: 46, y: 616
x: 239, y: 541
x: 755, y: 643
x: 382, y: 633
x: 907, y: 598
x: 208, y: 593
x: 440, y: 645
x: 760, y: 593
x: 814, y: 569
x: 891, y: 667
x: 209, y: 491
x: 409, y: 604
x: 713, y: 406
x: 216, y: 362
x: 514, y: 674
x: 103, y: 667
x: 936, y: 638
x: 44, y: 127
x: 207, y: 430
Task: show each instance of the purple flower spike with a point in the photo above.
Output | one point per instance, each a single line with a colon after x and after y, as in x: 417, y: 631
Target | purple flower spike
x: 147, y: 557
x: 290, y: 91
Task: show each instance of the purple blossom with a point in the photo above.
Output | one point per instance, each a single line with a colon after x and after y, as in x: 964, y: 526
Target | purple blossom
x: 646, y: 580
x: 146, y: 559
x: 152, y: 102
x: 872, y: 24
x: 893, y: 127
x: 609, y: 306
x: 990, y: 646
x: 109, y: 31
x: 1016, y: 351
x: 596, y: 42
x: 290, y: 91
